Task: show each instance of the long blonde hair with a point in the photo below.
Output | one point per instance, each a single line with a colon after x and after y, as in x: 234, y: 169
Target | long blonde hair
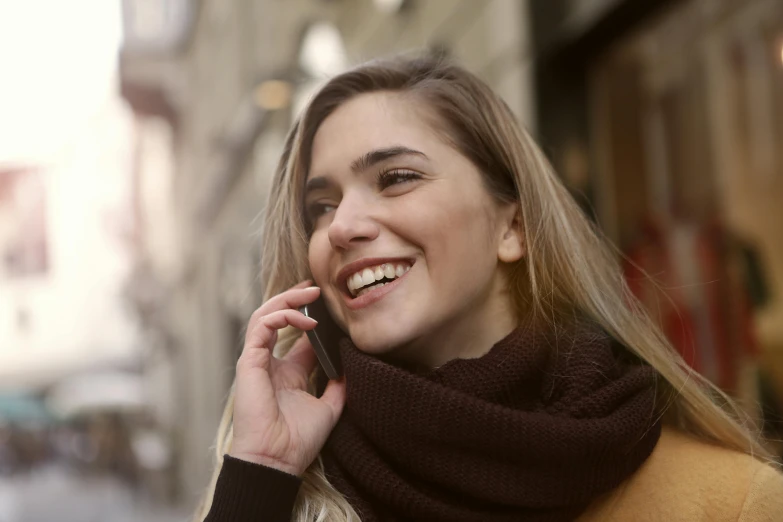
x: 568, y: 264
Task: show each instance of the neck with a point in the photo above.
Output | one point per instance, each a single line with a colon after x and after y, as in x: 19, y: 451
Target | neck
x: 469, y: 335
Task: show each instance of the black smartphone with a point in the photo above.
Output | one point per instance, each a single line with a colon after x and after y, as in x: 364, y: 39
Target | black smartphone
x: 325, y: 337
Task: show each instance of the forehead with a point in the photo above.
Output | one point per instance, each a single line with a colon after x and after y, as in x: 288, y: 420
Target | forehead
x: 368, y: 122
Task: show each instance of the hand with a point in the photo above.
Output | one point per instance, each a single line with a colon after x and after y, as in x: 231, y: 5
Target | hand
x: 277, y: 423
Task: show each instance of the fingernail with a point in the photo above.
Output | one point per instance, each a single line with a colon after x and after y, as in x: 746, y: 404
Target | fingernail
x: 312, y: 288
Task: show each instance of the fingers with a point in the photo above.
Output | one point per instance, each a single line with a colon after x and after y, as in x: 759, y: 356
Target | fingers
x: 289, y: 300
x: 264, y: 332
x: 334, y: 397
x: 279, y: 312
x: 295, y: 297
x: 288, y: 317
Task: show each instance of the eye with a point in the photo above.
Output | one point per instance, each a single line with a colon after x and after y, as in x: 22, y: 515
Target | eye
x: 387, y: 178
x: 315, y: 210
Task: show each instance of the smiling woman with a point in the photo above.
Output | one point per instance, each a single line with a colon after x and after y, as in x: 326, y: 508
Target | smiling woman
x: 425, y: 209
x: 496, y: 368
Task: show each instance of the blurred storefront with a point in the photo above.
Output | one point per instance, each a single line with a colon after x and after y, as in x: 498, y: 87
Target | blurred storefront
x: 215, y: 86
x: 666, y: 120
x: 76, y: 398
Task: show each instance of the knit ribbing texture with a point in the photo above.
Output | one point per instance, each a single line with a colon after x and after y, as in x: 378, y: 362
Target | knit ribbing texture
x: 534, y: 430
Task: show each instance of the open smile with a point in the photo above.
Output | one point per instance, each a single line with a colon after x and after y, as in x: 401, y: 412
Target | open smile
x: 367, y: 281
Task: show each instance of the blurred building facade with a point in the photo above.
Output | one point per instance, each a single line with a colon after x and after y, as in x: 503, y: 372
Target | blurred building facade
x: 665, y: 118
x: 63, y: 257
x: 215, y: 87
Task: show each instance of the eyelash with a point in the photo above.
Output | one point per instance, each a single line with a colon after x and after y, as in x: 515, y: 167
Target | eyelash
x: 385, y: 179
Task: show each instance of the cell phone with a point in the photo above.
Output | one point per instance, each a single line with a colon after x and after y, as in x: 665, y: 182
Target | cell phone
x: 325, y: 338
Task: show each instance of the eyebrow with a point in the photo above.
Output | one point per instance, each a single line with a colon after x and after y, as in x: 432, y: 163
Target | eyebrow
x: 378, y: 155
x: 316, y: 183
x: 365, y: 162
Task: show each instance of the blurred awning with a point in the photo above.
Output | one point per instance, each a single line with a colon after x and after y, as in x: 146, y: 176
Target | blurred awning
x: 34, y: 371
x: 107, y: 391
x: 23, y: 408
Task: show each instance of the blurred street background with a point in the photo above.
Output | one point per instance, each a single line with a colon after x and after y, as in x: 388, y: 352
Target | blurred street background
x: 137, y: 143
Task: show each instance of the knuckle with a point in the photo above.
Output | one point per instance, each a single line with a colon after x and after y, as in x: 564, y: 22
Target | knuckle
x: 272, y: 320
x: 257, y: 313
x: 267, y: 320
x: 254, y: 359
x: 251, y: 333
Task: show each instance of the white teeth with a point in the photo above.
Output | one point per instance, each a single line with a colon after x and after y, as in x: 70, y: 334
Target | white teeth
x: 388, y: 271
x: 365, y: 290
x: 370, y: 275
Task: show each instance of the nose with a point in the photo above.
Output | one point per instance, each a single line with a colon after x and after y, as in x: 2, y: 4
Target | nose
x: 352, y: 223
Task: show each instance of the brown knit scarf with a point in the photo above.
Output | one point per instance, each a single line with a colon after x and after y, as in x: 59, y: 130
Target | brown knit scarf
x: 532, y: 431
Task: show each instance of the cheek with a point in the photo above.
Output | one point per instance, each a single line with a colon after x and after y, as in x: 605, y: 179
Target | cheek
x: 457, y: 239
x: 318, y: 258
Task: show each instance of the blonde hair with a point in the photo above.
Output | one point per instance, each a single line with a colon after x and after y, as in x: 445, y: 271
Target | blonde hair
x: 568, y: 266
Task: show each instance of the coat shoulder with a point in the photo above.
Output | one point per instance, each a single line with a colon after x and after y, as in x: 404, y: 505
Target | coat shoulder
x: 764, y: 502
x: 689, y: 479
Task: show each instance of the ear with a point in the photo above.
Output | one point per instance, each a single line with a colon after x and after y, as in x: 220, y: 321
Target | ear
x: 511, y: 244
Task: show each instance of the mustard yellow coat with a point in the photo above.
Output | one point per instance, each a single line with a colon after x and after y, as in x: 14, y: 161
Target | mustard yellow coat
x: 689, y: 480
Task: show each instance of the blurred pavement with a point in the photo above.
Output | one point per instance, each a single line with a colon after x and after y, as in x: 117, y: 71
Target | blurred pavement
x: 53, y: 494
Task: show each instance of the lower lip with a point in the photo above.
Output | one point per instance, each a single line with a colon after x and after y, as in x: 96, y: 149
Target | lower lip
x: 373, y: 295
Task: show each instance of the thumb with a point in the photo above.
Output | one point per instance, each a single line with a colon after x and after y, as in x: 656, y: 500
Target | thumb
x: 334, y: 397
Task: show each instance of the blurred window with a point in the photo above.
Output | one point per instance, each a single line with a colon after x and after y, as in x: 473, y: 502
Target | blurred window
x: 155, y: 24
x: 321, y: 55
x: 23, y: 247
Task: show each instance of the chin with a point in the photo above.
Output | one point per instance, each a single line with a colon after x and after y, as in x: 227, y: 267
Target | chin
x: 378, y: 341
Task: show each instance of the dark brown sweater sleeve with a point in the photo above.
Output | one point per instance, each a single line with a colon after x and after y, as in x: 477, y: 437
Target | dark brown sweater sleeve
x: 248, y: 492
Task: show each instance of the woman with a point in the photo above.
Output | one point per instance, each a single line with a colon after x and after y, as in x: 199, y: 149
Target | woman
x: 502, y: 372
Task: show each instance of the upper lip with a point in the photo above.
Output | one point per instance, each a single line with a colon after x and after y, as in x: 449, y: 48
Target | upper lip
x: 351, y: 268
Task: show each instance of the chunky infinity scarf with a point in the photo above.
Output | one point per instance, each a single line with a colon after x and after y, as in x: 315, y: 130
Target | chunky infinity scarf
x: 532, y: 431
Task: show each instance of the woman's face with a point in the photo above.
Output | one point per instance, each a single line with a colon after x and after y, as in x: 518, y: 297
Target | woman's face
x: 391, y: 202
